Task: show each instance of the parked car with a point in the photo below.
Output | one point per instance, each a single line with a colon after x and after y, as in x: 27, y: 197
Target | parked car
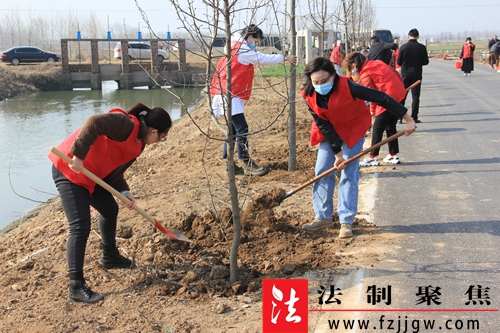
x: 16, y: 55
x: 140, y: 50
x: 268, y: 45
x: 384, y: 35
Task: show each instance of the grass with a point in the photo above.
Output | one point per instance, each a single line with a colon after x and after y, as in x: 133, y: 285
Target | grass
x: 277, y: 71
x: 455, y: 46
x: 28, y: 78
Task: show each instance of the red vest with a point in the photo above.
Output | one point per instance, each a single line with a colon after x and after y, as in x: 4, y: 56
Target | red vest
x: 104, y: 156
x: 241, y: 76
x: 467, y: 51
x: 349, y: 117
x: 385, y: 79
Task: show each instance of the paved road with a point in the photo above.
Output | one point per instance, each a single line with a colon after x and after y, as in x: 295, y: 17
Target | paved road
x: 444, y: 202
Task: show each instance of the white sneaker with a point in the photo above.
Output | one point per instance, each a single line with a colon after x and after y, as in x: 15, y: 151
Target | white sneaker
x: 392, y: 159
x: 465, y: 74
x: 370, y: 162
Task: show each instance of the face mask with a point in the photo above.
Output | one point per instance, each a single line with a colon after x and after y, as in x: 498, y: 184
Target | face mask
x: 468, y: 42
x: 323, y: 89
x: 252, y: 45
x: 355, y: 72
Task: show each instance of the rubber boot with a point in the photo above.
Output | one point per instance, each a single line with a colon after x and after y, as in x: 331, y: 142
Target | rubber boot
x: 80, y: 292
x: 111, y: 258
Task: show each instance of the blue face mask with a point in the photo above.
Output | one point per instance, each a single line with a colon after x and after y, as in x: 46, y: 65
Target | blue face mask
x: 323, y: 89
x: 251, y: 45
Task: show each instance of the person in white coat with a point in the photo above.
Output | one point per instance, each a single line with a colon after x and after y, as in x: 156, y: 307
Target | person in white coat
x: 243, y: 58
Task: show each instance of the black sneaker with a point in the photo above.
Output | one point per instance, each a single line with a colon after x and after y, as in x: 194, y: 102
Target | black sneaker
x: 251, y: 168
x: 114, y: 260
x: 80, y: 292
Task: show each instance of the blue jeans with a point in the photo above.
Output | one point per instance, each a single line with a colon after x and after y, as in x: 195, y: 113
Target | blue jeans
x: 240, y: 127
x: 324, y: 188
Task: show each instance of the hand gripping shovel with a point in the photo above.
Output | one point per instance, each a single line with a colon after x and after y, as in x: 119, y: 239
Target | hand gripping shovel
x: 329, y: 171
x: 169, y: 233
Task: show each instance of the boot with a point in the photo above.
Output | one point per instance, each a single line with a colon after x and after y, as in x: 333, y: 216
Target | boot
x: 80, y: 292
x: 251, y: 168
x: 111, y: 258
x: 237, y: 170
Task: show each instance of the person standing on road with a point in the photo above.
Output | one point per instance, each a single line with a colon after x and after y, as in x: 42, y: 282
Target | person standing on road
x: 341, y: 119
x: 243, y: 58
x: 412, y: 56
x: 494, y: 55
x: 467, y: 56
x: 395, y: 55
x: 376, y: 74
x: 106, y: 145
x: 493, y: 52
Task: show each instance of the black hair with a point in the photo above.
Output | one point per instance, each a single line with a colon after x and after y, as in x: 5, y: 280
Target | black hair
x: 468, y: 38
x: 252, y: 30
x: 316, y: 64
x: 413, y: 33
x: 374, y: 39
x: 354, y: 58
x: 156, y: 118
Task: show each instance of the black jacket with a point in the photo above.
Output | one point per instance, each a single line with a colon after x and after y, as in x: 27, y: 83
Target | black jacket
x: 357, y: 91
x: 382, y: 51
x: 491, y: 42
x: 412, y: 56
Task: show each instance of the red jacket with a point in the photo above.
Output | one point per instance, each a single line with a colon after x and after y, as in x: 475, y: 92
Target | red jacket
x: 376, y: 74
x: 336, y: 56
x: 395, y: 61
x: 104, y: 156
x: 349, y: 117
x: 241, y: 76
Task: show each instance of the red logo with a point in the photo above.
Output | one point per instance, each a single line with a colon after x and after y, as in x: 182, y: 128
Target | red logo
x: 285, y: 306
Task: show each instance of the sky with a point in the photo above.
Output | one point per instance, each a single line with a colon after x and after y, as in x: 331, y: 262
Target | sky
x: 430, y: 17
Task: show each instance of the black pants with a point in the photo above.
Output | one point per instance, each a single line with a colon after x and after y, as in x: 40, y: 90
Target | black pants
x: 76, y: 202
x: 408, y: 80
x: 385, y: 122
x: 240, y: 127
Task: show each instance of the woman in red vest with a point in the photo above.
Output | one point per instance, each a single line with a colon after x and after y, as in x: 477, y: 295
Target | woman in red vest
x: 378, y: 75
x: 341, y: 119
x: 243, y: 58
x: 467, y: 56
x: 106, y: 145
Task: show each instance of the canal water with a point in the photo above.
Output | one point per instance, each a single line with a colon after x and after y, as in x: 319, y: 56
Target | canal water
x: 31, y: 124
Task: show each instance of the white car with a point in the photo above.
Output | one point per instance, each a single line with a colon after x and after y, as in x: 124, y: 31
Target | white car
x: 140, y: 50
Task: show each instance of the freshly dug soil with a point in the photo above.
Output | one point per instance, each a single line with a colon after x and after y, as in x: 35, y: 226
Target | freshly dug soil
x: 177, y: 286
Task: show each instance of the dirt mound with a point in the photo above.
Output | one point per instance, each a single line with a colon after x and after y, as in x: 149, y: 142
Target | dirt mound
x: 177, y: 286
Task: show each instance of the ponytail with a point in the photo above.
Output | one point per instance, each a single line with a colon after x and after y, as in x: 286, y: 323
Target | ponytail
x: 156, y: 118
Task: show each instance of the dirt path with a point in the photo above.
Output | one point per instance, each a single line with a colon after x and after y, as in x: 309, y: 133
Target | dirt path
x: 179, y: 286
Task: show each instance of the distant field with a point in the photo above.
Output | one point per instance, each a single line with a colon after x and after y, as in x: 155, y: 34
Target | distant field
x: 451, y: 46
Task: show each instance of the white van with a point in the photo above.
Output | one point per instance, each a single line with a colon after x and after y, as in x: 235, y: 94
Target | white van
x: 268, y: 45
x: 140, y: 50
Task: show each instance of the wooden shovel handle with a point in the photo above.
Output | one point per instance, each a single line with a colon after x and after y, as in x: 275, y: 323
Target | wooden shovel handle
x: 104, y: 185
x: 329, y: 171
x: 413, y: 85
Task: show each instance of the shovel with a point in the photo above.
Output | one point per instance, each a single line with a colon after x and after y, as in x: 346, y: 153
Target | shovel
x: 329, y: 171
x: 169, y: 233
x: 413, y: 85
